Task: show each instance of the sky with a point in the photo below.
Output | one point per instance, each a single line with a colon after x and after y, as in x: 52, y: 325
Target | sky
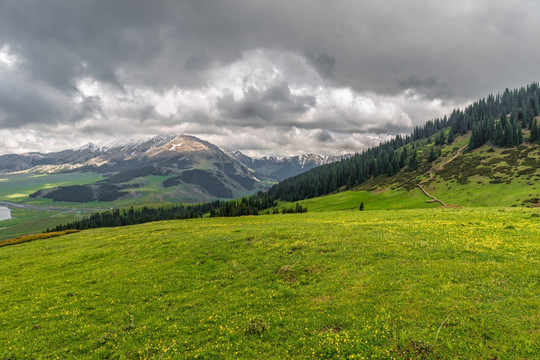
x: 276, y: 77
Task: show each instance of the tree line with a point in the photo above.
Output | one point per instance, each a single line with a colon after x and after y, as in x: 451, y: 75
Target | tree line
x: 253, y: 205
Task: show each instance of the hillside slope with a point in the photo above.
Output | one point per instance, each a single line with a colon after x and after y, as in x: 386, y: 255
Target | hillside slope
x: 486, y: 176
x: 504, y: 125
x: 422, y: 284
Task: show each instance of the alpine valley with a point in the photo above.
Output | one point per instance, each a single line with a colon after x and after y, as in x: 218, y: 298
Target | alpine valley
x: 161, y: 170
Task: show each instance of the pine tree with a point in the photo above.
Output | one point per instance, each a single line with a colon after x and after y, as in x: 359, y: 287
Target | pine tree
x: 535, y: 105
x: 413, y: 161
x: 432, y: 156
x: 463, y: 125
x: 510, y: 134
x: 451, y: 137
x: 534, y: 132
x: 498, y: 138
x: 472, y: 142
x: 519, y: 135
x: 403, y: 157
x: 530, y: 117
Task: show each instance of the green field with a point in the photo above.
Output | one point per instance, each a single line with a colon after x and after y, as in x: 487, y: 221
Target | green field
x: 373, y: 200
x: 43, y: 213
x: 24, y: 222
x: 16, y: 187
x: 422, y: 284
x: 46, y: 213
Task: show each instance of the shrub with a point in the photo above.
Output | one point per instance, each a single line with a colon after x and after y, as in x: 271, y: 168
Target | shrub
x: 27, y: 238
x: 256, y: 325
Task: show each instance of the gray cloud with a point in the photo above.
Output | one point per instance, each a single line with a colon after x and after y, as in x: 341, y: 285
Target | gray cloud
x: 324, y: 136
x: 275, y: 102
x: 416, y: 82
x: 324, y: 63
x: 350, y: 67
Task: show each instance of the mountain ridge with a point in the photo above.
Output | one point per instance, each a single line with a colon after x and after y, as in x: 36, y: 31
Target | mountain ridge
x: 189, y: 169
x: 283, y: 167
x: 90, y: 154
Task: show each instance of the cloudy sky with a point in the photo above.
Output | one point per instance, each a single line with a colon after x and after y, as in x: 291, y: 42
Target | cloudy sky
x: 266, y: 77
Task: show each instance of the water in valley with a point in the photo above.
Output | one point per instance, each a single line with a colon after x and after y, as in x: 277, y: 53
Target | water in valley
x: 5, y: 214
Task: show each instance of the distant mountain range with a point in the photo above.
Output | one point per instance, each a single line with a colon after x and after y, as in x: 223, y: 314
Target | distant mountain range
x: 195, y: 169
x: 281, y: 168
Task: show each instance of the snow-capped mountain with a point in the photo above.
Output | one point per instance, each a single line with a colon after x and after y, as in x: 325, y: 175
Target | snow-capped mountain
x: 191, y: 169
x: 280, y: 168
x: 107, y: 154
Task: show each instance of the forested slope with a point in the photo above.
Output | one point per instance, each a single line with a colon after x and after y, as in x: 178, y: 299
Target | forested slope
x: 503, y: 120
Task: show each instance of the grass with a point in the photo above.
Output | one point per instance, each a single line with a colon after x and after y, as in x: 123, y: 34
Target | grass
x: 16, y: 187
x: 370, y: 284
x: 25, y: 222
x: 485, y: 178
x: 373, y: 200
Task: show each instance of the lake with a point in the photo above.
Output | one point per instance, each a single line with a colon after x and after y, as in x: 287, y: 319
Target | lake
x: 4, y: 213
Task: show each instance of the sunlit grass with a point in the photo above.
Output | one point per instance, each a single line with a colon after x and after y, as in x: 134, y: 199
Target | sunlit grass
x: 17, y: 195
x: 373, y: 200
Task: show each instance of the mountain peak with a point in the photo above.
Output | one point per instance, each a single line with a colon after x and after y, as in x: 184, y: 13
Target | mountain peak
x: 180, y: 144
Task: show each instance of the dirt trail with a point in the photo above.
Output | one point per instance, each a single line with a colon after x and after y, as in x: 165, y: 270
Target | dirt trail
x: 431, y: 175
x: 433, y: 198
x: 453, y: 158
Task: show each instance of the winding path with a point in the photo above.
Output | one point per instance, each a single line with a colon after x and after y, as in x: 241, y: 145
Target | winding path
x: 431, y: 175
x: 433, y: 198
x: 452, y: 159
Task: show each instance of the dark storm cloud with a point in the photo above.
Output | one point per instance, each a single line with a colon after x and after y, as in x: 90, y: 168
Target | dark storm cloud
x: 324, y: 63
x: 324, y: 136
x: 367, y: 45
x: 89, y: 107
x: 264, y: 106
x: 418, y: 82
x: 22, y: 103
x: 448, y: 51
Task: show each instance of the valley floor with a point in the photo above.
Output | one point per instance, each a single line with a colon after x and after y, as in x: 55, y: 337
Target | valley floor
x: 424, y: 283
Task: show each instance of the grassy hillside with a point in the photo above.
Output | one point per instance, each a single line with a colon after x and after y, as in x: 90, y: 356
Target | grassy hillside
x: 483, y: 177
x: 373, y: 200
x: 425, y: 283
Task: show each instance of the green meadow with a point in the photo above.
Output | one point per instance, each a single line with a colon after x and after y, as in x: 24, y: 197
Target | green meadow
x: 384, y: 284
x: 373, y: 200
x: 24, y: 222
x: 16, y: 187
